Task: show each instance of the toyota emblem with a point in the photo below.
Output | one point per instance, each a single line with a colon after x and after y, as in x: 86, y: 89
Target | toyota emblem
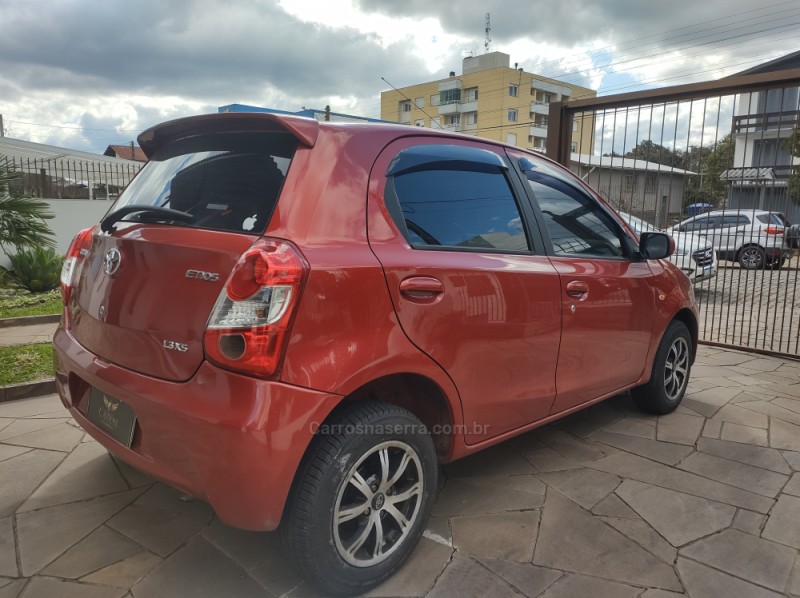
x: 111, y: 262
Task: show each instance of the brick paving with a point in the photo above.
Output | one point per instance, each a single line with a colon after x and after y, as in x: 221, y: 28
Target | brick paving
x: 609, y: 502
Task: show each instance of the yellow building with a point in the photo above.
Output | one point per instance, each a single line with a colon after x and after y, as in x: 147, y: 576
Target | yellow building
x: 492, y: 100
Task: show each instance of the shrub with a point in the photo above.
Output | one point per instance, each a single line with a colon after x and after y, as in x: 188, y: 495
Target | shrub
x: 22, y: 219
x: 38, y: 269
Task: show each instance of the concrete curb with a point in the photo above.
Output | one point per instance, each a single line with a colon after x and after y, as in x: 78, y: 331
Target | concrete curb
x: 30, y: 320
x: 27, y: 390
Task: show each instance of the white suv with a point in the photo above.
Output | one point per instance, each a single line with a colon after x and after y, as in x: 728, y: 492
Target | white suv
x: 754, y: 238
x: 694, y: 254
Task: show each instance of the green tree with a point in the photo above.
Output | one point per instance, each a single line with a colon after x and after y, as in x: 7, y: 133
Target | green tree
x: 792, y: 145
x: 712, y: 189
x: 22, y: 219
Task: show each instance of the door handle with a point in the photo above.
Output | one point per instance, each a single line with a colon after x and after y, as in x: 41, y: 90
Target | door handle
x: 577, y: 289
x: 422, y: 288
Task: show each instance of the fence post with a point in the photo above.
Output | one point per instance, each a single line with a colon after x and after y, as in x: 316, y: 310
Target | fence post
x: 559, y: 133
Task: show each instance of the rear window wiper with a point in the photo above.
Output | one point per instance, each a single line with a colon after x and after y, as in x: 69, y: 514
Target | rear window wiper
x: 167, y: 214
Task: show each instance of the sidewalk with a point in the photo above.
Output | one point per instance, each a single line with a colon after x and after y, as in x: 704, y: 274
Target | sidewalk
x: 24, y: 335
x: 609, y: 502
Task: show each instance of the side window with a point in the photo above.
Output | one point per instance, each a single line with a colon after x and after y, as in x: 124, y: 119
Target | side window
x: 576, y: 223
x: 457, y: 206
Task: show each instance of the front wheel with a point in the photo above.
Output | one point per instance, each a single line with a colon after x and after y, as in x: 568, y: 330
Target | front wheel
x: 670, y: 376
x: 752, y: 257
x: 362, y: 498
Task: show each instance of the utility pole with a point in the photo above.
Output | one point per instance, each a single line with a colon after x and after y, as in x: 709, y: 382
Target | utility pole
x: 2, y: 128
x: 327, y: 113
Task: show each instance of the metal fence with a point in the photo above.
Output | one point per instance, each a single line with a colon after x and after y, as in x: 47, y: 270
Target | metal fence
x: 728, y: 150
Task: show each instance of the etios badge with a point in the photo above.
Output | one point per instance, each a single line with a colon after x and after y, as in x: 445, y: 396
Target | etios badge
x: 111, y: 261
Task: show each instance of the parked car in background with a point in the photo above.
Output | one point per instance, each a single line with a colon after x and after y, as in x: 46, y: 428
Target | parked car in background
x: 754, y: 238
x: 298, y: 321
x: 694, y: 254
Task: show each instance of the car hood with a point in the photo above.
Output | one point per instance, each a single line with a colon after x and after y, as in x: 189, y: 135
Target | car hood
x: 690, y: 241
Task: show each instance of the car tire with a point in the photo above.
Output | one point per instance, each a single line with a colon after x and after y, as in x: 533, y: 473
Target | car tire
x: 752, y: 257
x: 670, y: 376
x: 344, y: 527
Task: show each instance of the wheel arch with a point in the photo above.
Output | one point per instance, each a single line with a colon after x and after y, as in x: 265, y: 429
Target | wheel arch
x: 686, y: 316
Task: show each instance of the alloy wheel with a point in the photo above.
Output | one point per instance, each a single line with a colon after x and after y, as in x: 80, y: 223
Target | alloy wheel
x: 676, y: 369
x: 378, y: 504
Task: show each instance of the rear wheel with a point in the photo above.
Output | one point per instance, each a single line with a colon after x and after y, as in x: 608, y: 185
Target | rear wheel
x: 752, y: 257
x: 671, y: 367
x: 361, y: 498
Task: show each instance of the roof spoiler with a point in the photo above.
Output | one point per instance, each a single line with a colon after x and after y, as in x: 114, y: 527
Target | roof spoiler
x: 305, y: 130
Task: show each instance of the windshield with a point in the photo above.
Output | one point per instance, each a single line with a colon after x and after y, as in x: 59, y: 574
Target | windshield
x: 225, y: 182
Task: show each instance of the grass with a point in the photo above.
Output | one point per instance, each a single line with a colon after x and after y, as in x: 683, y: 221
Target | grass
x: 16, y: 302
x: 25, y: 363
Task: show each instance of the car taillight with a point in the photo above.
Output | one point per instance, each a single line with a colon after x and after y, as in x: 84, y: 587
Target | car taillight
x: 774, y: 230
x: 249, y: 322
x: 74, y: 260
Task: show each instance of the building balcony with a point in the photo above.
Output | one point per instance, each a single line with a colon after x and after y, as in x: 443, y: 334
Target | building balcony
x: 404, y: 117
x: 540, y: 107
x: 458, y: 107
x: 784, y: 122
x: 538, y: 131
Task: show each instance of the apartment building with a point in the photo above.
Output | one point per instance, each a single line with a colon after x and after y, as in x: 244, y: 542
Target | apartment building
x: 489, y: 99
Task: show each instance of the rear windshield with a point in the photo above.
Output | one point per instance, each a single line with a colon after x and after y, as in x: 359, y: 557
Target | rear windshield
x: 772, y: 218
x: 227, y: 182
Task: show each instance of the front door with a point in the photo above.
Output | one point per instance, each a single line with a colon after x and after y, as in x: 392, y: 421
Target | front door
x: 468, y: 278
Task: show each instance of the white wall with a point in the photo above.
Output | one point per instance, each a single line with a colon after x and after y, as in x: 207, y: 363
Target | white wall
x: 71, y: 216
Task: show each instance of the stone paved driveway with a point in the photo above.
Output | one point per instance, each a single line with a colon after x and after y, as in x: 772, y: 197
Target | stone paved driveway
x: 607, y: 503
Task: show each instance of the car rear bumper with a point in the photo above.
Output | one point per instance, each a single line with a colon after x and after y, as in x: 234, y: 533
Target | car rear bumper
x: 231, y: 440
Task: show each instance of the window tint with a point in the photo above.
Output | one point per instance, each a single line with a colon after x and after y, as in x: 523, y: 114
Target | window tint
x: 458, y: 209
x: 772, y: 218
x: 734, y: 220
x: 226, y: 182
x: 576, y: 223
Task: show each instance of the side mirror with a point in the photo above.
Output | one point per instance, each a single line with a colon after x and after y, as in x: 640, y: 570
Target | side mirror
x: 656, y: 246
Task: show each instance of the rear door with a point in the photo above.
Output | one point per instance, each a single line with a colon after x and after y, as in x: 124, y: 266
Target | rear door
x: 146, y: 288
x: 607, y: 296
x: 467, y: 276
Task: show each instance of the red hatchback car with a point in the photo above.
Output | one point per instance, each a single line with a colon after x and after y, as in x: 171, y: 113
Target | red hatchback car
x: 299, y: 321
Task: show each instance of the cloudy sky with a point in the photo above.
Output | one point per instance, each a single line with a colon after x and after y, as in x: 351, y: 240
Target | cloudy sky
x: 83, y: 74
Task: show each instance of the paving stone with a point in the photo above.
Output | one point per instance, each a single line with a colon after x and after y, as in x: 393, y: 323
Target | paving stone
x: 783, y: 435
x: 571, y: 447
x: 418, y: 573
x: 198, y: 570
x: 8, y: 554
x: 643, y: 470
x: 663, y: 452
x: 157, y: 530
x: 793, y: 486
x: 712, y: 429
x: 13, y: 589
x: 571, y: 539
x: 99, y: 549
x: 790, y: 404
x: 733, y: 473
x: 462, y: 497
x: 86, y: 472
x: 651, y: 593
x: 765, y: 458
x: 749, y: 522
x: 728, y: 358
x: 506, y: 536
x: 586, y: 421
x: 45, y: 534
x: 703, y: 582
x: 613, y: 506
x: 27, y: 470
x: 5, y: 422
x: 630, y: 427
x: 61, y: 437
x: 47, y: 586
x: 645, y: 536
x: 22, y: 427
x: 465, y: 577
x: 679, y: 428
x: 167, y: 498
x: 708, y: 402
x: 134, y: 477
x: 521, y: 483
x: 678, y: 517
x: 586, y: 487
x: 744, y: 434
x: 125, y: 573
x: 32, y: 406
x: 783, y: 524
x: 546, y: 460
x: 245, y: 547
x: 9, y: 450
x: 495, y: 461
x: 438, y: 530
x: 276, y: 574
x: 792, y: 458
x: 528, y: 579
x: 794, y: 582
x: 774, y: 411
x: 572, y: 585
x: 736, y: 414
x: 760, y: 561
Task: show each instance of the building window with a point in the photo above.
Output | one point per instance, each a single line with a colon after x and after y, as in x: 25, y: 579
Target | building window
x: 420, y: 102
x: 453, y: 119
x: 574, y: 147
x: 650, y: 183
x: 471, y: 118
x: 542, y: 121
x: 513, y: 90
x: 511, y: 138
x: 512, y: 115
x: 420, y: 122
x: 574, y: 126
x: 449, y: 96
x: 435, y: 99
x: 629, y: 183
x: 471, y: 94
x: 405, y: 106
